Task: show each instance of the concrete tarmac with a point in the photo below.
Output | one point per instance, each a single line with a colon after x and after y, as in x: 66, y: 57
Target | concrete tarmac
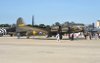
x: 23, y: 50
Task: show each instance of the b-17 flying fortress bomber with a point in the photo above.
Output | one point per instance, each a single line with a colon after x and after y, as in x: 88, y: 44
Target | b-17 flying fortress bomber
x: 21, y: 29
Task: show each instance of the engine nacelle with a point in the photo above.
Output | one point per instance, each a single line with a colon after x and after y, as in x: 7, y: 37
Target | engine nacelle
x: 2, y: 32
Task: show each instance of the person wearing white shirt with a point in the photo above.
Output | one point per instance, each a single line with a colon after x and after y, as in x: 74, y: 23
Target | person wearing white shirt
x: 58, y: 37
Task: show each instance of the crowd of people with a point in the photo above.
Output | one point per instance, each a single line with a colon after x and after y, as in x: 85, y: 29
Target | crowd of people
x: 92, y: 35
x: 86, y: 35
x: 72, y: 36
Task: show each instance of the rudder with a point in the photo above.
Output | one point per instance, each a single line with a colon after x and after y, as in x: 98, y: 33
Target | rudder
x: 20, y: 22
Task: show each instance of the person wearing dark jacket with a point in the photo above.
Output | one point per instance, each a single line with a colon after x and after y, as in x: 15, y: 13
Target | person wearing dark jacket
x: 72, y: 36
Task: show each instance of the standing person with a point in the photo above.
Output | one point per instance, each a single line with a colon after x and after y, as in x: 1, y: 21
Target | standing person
x: 18, y: 35
x: 58, y: 37
x: 99, y: 35
x: 96, y: 36
x: 85, y: 35
x: 72, y: 36
x: 90, y: 35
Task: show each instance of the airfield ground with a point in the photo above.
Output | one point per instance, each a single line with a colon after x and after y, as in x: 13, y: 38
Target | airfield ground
x: 13, y: 50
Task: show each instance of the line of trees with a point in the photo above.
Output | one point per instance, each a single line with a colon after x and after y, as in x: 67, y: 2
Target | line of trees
x: 13, y: 25
x: 67, y: 23
x: 43, y: 25
x: 5, y: 25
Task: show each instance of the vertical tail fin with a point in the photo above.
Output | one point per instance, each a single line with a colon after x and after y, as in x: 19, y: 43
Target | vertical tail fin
x: 20, y: 22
